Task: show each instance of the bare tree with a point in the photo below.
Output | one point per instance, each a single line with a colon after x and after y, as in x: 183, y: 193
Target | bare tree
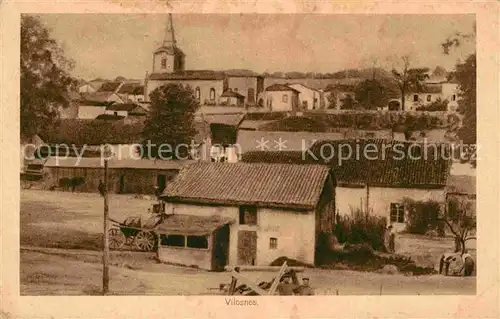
x: 460, y: 218
x: 406, y: 77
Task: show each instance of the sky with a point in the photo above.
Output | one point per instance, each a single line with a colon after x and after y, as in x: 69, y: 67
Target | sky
x: 111, y: 45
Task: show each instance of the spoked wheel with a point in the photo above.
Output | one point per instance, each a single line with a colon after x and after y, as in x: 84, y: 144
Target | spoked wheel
x: 116, y: 238
x: 145, y: 241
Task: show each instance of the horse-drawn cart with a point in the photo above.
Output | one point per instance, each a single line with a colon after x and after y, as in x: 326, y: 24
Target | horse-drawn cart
x: 134, y: 232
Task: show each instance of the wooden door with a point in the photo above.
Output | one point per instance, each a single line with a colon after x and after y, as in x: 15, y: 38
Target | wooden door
x: 247, y: 247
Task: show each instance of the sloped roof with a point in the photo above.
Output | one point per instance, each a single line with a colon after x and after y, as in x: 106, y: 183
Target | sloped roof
x: 109, y: 87
x: 427, y: 88
x: 240, y: 73
x: 461, y: 184
x: 389, y: 170
x: 96, y: 162
x: 252, y: 125
x: 189, y: 75
x: 280, y: 88
x: 132, y: 88
x: 389, y: 165
x: 290, y: 141
x: 295, y: 85
x: 261, y: 184
x: 230, y: 93
x: 191, y: 224
x: 99, y: 97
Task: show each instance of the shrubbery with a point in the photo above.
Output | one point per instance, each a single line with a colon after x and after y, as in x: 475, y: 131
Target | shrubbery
x: 422, y: 217
x: 361, y: 228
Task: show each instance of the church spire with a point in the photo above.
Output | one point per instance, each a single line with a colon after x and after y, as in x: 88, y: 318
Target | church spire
x: 169, y: 40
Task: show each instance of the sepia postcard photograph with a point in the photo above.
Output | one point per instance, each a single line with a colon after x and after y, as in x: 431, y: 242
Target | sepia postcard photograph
x: 248, y: 154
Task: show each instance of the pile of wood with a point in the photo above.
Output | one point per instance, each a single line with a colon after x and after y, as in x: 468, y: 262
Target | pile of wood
x: 241, y: 285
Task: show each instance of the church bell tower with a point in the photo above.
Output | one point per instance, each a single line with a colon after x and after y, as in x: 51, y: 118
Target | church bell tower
x: 168, y: 58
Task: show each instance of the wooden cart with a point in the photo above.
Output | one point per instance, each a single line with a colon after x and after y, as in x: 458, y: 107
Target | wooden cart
x: 136, y: 233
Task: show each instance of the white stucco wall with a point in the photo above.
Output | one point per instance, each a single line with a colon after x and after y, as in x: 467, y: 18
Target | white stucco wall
x: 204, y: 85
x: 308, y: 95
x: 381, y: 198
x: 286, y: 226
x: 90, y: 111
x: 277, y: 100
x: 120, y: 113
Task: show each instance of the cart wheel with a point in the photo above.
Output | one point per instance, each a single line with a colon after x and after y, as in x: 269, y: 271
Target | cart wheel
x: 116, y: 238
x: 145, y: 241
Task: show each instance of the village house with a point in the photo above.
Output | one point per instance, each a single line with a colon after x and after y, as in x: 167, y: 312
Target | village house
x: 125, y: 110
x: 131, y: 92
x: 231, y: 98
x: 125, y: 176
x: 336, y: 96
x: 309, y: 98
x: 371, y: 181
x: 272, y: 205
x: 279, y: 97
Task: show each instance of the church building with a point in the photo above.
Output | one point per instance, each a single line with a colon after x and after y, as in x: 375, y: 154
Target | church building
x: 210, y: 87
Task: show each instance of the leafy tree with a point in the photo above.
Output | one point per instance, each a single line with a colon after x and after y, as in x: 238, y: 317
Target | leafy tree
x: 169, y: 126
x: 371, y: 94
x: 347, y: 103
x: 465, y: 75
x: 461, y: 221
x: 407, y: 76
x: 45, y: 78
x: 332, y: 100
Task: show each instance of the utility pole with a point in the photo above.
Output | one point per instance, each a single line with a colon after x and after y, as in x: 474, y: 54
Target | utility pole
x: 105, y: 255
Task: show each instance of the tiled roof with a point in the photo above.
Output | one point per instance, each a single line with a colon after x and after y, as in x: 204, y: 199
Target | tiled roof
x: 290, y: 141
x: 262, y: 184
x: 189, y: 75
x: 99, y: 97
x: 95, y: 162
x: 428, y: 88
x: 389, y: 170
x: 389, y: 165
x: 131, y: 88
x: 230, y: 93
x: 280, y: 88
x: 461, y: 184
x: 109, y: 87
x: 295, y: 85
x: 191, y: 224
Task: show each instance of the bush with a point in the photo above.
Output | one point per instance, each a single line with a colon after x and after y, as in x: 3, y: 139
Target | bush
x: 361, y: 228
x: 422, y: 217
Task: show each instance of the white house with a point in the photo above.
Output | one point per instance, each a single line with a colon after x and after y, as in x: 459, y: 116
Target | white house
x: 309, y: 98
x: 272, y: 205
x: 127, y: 109
x: 374, y: 174
x: 279, y: 97
x: 132, y: 92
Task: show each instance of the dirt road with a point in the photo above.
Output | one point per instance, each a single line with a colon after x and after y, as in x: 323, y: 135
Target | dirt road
x: 61, y: 233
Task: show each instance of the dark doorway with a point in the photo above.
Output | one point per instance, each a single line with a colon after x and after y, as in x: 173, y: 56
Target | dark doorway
x: 122, y: 184
x: 221, y: 248
x: 247, y: 247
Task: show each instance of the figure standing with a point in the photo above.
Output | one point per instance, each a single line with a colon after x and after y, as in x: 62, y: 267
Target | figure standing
x: 101, y: 188
x: 286, y: 287
x: 468, y: 264
x: 305, y: 289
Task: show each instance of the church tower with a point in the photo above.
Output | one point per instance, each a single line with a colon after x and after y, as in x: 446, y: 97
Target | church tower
x: 168, y: 58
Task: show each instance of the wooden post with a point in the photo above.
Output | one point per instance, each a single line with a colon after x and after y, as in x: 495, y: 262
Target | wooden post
x: 105, y: 256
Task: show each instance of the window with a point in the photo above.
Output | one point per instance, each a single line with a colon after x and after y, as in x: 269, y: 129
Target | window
x: 415, y: 98
x: 212, y: 94
x: 197, y: 93
x: 163, y: 63
x: 248, y: 215
x: 116, y: 113
x: 273, y: 243
x: 397, y: 213
x: 429, y: 98
x: 453, y: 97
x: 235, y: 89
x: 197, y: 242
x: 285, y: 98
x: 173, y: 240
